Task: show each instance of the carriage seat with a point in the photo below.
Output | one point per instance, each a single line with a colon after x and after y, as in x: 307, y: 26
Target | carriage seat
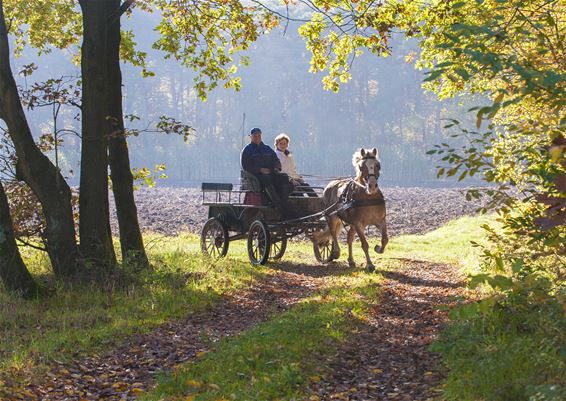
x: 249, y: 182
x: 254, y: 194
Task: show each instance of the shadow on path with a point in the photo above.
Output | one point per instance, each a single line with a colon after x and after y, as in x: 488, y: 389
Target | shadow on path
x: 130, y: 368
x: 388, y: 357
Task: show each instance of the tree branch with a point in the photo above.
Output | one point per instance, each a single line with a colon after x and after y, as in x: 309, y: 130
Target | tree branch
x: 125, y: 6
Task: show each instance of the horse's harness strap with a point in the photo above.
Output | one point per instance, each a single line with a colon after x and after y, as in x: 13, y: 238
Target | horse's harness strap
x: 362, y: 203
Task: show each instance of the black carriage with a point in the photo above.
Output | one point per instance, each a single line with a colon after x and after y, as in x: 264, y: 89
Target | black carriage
x: 246, y: 213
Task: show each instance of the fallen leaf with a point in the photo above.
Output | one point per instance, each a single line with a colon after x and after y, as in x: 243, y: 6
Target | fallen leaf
x: 193, y: 383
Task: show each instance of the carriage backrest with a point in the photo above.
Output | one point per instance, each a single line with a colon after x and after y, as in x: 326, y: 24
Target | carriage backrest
x: 249, y: 182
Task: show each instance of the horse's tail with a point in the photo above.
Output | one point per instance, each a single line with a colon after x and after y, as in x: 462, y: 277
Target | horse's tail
x: 322, y: 236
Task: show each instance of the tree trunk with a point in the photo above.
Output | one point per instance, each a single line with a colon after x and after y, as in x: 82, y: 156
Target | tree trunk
x: 96, y: 59
x: 131, y: 240
x: 37, y: 171
x: 13, y: 271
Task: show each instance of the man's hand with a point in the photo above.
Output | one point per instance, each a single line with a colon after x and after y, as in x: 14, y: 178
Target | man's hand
x: 265, y: 171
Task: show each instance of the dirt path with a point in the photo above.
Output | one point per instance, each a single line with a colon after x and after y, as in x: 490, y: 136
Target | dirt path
x: 128, y: 370
x: 386, y: 360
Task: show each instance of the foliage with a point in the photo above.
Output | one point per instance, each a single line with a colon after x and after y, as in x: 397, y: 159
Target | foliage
x: 146, y: 177
x: 512, y: 52
x: 512, y: 350
x: 203, y: 36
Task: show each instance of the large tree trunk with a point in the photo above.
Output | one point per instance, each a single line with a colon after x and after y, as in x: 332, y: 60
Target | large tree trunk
x: 13, y: 271
x: 96, y: 59
x: 37, y: 171
x: 122, y: 181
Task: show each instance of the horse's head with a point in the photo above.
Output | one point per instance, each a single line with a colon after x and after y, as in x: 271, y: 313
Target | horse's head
x: 367, y: 169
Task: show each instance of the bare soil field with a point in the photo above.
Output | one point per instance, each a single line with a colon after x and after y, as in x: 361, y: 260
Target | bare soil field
x: 412, y: 210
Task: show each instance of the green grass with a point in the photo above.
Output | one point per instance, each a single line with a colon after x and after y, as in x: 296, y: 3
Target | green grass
x: 508, y: 354
x: 85, y: 317
x: 276, y: 359
x: 272, y: 360
x: 449, y: 244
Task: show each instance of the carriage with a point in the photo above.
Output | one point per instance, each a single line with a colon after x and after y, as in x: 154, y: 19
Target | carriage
x: 246, y: 213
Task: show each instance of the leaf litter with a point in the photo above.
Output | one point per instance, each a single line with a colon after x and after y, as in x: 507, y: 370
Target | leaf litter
x: 386, y: 359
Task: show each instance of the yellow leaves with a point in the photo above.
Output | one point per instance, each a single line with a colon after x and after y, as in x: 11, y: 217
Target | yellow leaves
x: 201, y: 354
x: 194, y: 383
x: 315, y: 379
x: 556, y: 153
x: 377, y: 371
x: 314, y: 397
x: 119, y: 386
x: 136, y: 392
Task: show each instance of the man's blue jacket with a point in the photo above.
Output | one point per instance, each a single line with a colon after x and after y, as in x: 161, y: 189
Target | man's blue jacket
x: 258, y: 156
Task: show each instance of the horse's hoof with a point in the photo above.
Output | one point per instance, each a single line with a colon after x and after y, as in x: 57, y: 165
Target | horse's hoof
x: 378, y: 249
x: 335, y: 255
x: 351, y: 263
x: 370, y: 268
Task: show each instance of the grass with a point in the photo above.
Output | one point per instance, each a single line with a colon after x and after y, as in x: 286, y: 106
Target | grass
x: 86, y: 317
x: 272, y: 360
x: 449, y: 244
x: 507, y: 354
x: 276, y: 359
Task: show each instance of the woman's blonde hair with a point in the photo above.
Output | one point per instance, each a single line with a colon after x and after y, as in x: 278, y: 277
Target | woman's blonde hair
x: 280, y: 137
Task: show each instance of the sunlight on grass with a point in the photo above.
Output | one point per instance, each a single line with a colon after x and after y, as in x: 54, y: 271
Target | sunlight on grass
x: 276, y: 359
x: 91, y: 317
x: 83, y: 317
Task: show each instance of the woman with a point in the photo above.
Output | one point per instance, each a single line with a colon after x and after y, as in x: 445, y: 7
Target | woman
x: 289, y: 167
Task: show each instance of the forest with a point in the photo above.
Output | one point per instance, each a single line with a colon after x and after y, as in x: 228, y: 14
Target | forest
x: 100, y: 98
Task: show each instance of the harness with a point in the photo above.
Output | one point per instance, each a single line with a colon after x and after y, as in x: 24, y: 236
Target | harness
x: 346, y: 198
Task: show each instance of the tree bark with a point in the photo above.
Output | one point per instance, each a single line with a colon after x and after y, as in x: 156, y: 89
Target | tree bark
x: 94, y: 228
x: 13, y: 271
x: 131, y: 240
x: 37, y: 171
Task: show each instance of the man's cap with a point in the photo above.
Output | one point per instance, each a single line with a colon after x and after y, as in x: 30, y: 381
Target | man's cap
x: 255, y: 131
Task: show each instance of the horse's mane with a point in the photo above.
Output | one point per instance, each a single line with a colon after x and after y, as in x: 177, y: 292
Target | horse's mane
x: 357, y: 158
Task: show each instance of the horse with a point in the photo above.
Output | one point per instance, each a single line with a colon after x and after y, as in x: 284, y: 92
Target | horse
x: 357, y: 202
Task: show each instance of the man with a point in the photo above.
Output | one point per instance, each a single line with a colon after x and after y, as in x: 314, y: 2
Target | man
x: 260, y: 160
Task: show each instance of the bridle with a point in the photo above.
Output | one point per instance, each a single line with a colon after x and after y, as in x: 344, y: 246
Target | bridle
x: 368, y: 175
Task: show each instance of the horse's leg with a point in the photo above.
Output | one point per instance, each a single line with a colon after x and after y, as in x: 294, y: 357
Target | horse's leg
x: 384, y: 237
x: 365, y: 246
x: 351, y: 235
x: 335, y: 225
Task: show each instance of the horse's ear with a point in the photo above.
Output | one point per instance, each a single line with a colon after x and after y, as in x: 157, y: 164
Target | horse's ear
x: 374, y: 151
x: 362, y: 152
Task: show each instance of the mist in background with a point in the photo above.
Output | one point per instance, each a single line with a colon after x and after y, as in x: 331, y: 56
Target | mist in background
x: 383, y: 106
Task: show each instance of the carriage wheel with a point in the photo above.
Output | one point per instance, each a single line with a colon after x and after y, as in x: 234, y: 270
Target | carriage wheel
x: 277, y: 249
x: 214, y: 238
x: 258, y: 243
x: 323, y: 252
